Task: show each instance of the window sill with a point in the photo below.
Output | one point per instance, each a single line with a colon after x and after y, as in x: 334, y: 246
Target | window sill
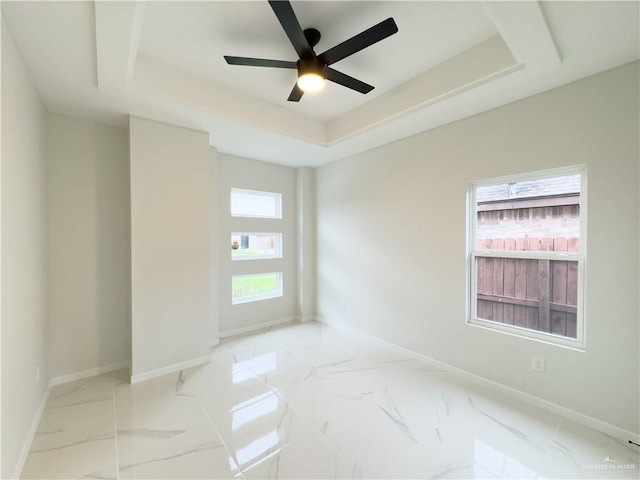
x: 540, y: 337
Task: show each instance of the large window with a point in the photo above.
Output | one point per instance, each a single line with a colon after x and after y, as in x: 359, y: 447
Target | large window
x: 527, y: 250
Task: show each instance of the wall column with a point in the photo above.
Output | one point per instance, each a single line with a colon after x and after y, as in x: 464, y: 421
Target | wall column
x: 171, y: 219
x: 306, y: 232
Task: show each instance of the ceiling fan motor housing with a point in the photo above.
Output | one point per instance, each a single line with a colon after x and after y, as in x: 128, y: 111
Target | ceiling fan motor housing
x: 310, y: 64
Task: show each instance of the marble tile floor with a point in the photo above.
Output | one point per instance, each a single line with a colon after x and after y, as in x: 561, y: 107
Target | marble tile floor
x: 314, y: 402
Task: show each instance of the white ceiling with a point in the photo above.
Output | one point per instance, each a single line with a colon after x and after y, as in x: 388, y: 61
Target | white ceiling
x: 195, y: 36
x: 163, y: 60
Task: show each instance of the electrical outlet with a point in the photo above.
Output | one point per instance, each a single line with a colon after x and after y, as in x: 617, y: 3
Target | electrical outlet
x: 224, y: 312
x: 537, y: 364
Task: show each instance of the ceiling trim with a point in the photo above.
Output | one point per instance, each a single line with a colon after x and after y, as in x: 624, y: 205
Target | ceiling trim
x: 524, y: 29
x: 482, y: 63
x: 157, y: 79
x: 118, y: 29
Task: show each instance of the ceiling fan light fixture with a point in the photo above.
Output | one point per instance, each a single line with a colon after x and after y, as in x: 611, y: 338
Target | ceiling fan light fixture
x: 310, y: 74
x: 311, y: 82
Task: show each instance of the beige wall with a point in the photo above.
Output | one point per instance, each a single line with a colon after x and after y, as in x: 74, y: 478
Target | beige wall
x: 24, y: 254
x: 374, y: 208
x: 236, y: 172
x: 90, y: 285
x: 171, y: 215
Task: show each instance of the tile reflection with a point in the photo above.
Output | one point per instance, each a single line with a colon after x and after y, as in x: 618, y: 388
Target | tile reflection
x: 253, y: 408
x: 489, y: 459
x: 258, y: 365
x: 257, y: 448
x: 268, y: 362
x: 315, y: 403
x: 241, y: 374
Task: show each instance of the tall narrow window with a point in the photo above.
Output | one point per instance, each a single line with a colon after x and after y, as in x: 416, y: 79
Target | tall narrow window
x: 527, y: 255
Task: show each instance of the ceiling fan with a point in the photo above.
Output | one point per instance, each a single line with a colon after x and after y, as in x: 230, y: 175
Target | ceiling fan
x: 314, y: 69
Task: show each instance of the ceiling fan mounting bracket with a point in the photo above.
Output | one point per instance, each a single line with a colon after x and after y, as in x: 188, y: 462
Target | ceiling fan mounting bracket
x: 312, y: 35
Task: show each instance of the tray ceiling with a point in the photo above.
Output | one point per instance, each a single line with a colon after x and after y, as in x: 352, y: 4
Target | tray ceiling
x: 163, y: 60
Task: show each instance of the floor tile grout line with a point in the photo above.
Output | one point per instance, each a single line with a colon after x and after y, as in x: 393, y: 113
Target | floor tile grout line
x: 554, y: 429
x: 311, y: 424
x: 551, y: 440
x: 226, y: 447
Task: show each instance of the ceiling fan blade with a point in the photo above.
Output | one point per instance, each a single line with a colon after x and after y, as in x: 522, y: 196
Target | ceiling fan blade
x: 359, y: 42
x: 259, y: 62
x: 291, y: 26
x: 296, y: 94
x: 346, y: 81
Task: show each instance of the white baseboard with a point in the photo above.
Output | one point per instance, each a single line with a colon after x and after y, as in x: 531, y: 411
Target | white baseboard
x: 215, y: 341
x: 307, y: 319
x: 31, y: 435
x: 607, y: 428
x: 52, y: 383
x: 176, y: 367
x: 257, y: 326
x: 92, y: 372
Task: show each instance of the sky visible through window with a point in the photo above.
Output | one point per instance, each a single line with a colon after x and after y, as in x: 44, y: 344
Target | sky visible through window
x: 255, y: 204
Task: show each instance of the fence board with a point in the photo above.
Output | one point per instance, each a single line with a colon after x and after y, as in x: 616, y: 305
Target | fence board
x: 572, y: 283
x: 561, y: 307
x: 498, y: 288
x: 509, y: 284
x: 519, y: 316
x: 509, y: 300
x: 480, y: 308
x: 559, y: 323
x: 488, y: 287
x: 543, y: 295
x: 572, y: 325
x: 559, y: 282
x: 508, y: 313
x: 536, y: 294
x: 532, y: 318
x: 532, y: 280
x: 520, y: 285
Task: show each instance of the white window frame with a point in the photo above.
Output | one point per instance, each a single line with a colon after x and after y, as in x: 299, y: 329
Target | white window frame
x: 255, y: 298
x: 275, y: 195
x: 278, y: 249
x: 472, y: 319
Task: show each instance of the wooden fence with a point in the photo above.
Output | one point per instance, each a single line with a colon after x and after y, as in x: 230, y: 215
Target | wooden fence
x: 540, y: 295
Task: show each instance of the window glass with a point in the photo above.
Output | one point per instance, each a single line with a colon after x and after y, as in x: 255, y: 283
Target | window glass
x: 251, y: 203
x: 527, y: 257
x: 254, y: 287
x: 254, y: 246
